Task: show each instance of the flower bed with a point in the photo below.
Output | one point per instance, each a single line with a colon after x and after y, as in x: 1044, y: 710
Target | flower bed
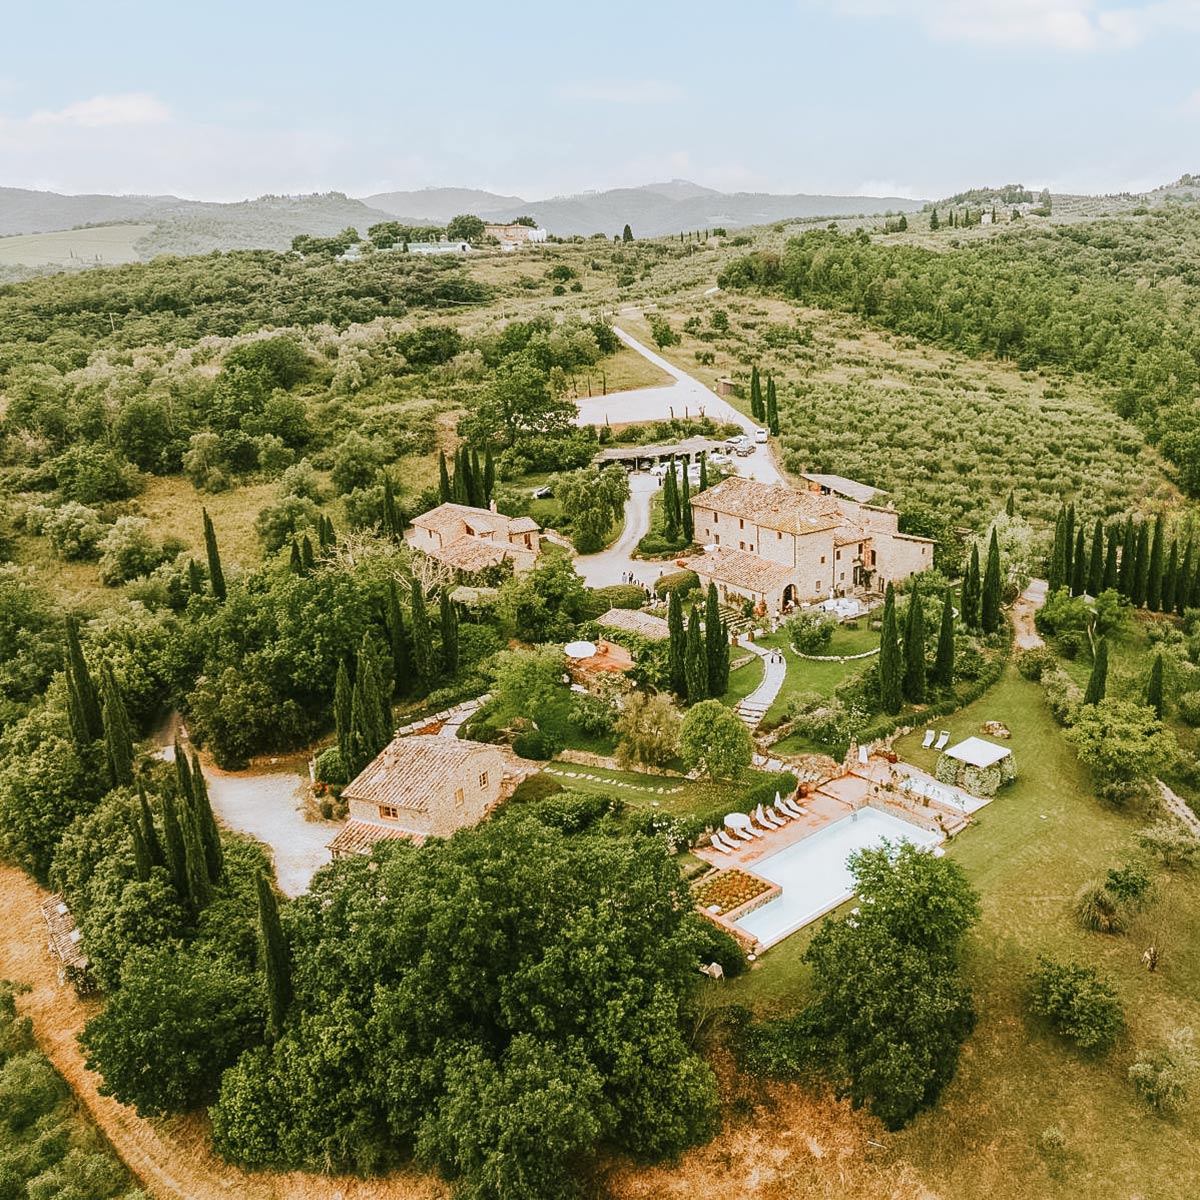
x: 728, y: 890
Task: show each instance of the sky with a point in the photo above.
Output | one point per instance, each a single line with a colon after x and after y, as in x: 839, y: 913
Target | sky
x: 923, y: 98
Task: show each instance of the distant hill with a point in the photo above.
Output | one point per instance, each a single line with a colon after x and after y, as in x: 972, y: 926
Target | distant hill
x: 653, y: 210
x: 24, y: 211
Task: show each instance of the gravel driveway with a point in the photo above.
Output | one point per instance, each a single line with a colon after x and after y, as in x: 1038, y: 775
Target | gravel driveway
x: 612, y: 565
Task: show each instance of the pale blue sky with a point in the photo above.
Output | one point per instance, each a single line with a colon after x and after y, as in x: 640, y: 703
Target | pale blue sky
x: 232, y: 98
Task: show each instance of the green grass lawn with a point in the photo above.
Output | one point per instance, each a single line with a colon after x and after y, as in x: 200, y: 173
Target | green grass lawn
x: 744, y: 679
x: 1028, y: 853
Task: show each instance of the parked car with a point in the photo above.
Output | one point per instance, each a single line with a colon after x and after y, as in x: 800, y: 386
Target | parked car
x: 760, y: 436
x: 543, y: 493
x: 734, y: 442
x: 745, y: 449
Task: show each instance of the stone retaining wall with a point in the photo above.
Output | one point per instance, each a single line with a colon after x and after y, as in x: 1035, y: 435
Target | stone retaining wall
x: 582, y: 758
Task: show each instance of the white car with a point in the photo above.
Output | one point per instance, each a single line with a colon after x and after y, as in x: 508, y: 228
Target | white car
x: 736, y: 442
x: 760, y: 436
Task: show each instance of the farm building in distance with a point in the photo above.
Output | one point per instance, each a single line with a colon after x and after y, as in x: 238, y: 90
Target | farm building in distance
x: 514, y: 235
x: 473, y: 539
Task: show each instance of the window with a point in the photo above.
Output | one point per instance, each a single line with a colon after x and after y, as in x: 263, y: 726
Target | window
x: 751, y: 547
x: 817, y: 586
x: 741, y: 545
x: 482, y: 780
x: 459, y: 798
x: 741, y: 523
x: 822, y: 560
x: 389, y: 812
x: 779, y: 537
x: 716, y: 518
x: 842, y: 575
x: 716, y: 539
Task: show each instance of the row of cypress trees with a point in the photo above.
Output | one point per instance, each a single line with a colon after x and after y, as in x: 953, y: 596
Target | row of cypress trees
x: 472, y: 482
x: 1130, y: 557
x: 678, y: 519
x: 764, y: 406
x: 698, y: 652
x: 903, y: 671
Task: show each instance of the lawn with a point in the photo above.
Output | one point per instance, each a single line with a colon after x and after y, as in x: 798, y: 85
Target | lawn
x: 744, y: 679
x: 1027, y: 854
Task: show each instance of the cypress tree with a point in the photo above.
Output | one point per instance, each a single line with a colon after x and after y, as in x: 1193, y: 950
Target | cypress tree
x: 398, y: 637
x: 914, y: 650
x: 173, y: 845
x: 1010, y: 505
x: 1095, y: 573
x: 1170, y: 579
x: 210, y: 835
x: 933, y: 221
x: 1057, y: 577
x: 449, y: 622
x: 695, y: 662
x: 216, y: 577
x: 489, y: 475
x: 989, y: 606
x: 307, y: 559
x: 1098, y: 680
x: 889, y: 656
x: 83, y: 704
x: 183, y: 774
x: 199, y: 887
x: 1069, y: 546
x: 458, y: 485
x: 392, y: 523
x: 444, y: 490
x: 1154, y: 686
x: 943, y: 666
x: 670, y: 505
x: 714, y: 642
x: 149, y: 834
x: 1183, y: 579
x: 1111, y: 570
x: 369, y: 714
x: 421, y: 641
x: 1193, y: 596
x: 756, y: 404
x: 704, y: 470
x: 687, y: 520
x: 1154, y: 577
x: 772, y: 407
x: 477, y: 496
x: 273, y: 954
x: 195, y: 577
x: 1128, y: 560
x: 141, y: 852
x: 342, y: 698
x: 118, y: 736
x: 295, y: 562
x: 677, y: 648
x: 1141, y: 566
x: 971, y: 590
x: 1079, y: 565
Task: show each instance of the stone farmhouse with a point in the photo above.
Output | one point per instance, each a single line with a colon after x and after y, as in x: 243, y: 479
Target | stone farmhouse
x: 512, y: 235
x: 779, y: 546
x: 473, y: 539
x: 425, y: 786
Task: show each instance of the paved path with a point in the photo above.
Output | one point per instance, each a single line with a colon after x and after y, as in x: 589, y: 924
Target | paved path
x: 1023, y: 611
x: 612, y: 565
x: 685, y: 397
x: 754, y: 707
x: 1179, y: 807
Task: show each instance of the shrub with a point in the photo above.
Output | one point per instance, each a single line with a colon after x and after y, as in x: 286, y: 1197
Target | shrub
x: 764, y: 793
x: 128, y: 551
x: 618, y: 595
x: 533, y: 744
x: 1129, y: 884
x: 330, y: 768
x: 1098, y: 909
x: 1163, y: 1078
x: 810, y: 632
x: 719, y: 946
x: 593, y: 715
x: 1033, y: 663
x: 680, y: 582
x: 1171, y: 841
x: 1189, y: 708
x: 74, y: 531
x: 1076, y: 1002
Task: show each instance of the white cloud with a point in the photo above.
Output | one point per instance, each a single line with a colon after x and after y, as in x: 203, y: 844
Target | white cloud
x: 98, y: 112
x: 889, y: 187
x: 623, y: 91
x: 1072, y: 25
x: 1190, y: 107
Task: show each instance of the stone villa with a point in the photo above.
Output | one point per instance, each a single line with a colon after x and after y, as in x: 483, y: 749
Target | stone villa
x: 425, y: 786
x: 472, y: 539
x: 778, y: 546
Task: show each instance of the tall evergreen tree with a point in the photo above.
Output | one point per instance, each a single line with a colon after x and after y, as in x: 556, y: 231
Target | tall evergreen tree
x: 890, y: 665
x: 118, y: 734
x: 216, y: 576
x: 1097, y: 683
x: 295, y: 562
x: 1079, y: 565
x: 445, y: 491
x: 704, y: 470
x: 173, y: 845
x: 1095, y: 575
x: 772, y: 413
x: 1111, y: 569
x: 670, y: 504
x: 1057, y: 577
x: 274, y: 957
x: 448, y: 619
x: 149, y: 833
x: 477, y: 496
x: 308, y: 560
x: 1193, y: 591
x: 933, y: 221
x: 210, y: 835
x: 695, y: 661
x: 369, y: 712
x: 972, y: 590
x: 458, y: 485
x: 914, y: 650
x: 141, y: 852
x: 687, y: 520
x: 398, y: 638
x: 421, y: 640
x: 1183, y: 579
x: 989, y: 605
x: 756, y: 402
x: 343, y: 694
x: 943, y: 666
x: 1170, y: 578
x: 489, y: 475
x: 677, y: 647
x: 1154, y: 577
x: 1141, y: 566
x: 393, y: 524
x: 1010, y: 505
x: 1128, y: 565
x: 83, y: 703
x: 195, y: 574
x: 1069, y: 546
x: 199, y: 886
x: 714, y: 642
x: 1154, y: 687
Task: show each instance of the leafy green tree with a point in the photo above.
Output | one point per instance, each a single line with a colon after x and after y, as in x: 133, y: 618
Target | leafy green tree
x: 593, y: 500
x: 1098, y: 680
x: 216, y: 576
x: 891, y: 667
x: 1154, y: 687
x: 914, y: 649
x: 695, y: 663
x: 989, y: 607
x: 464, y: 228
x: 677, y: 650
x: 273, y: 957
x: 1122, y: 743
x: 714, y: 741
x: 648, y: 729
x: 1077, y: 1003
x: 943, y: 667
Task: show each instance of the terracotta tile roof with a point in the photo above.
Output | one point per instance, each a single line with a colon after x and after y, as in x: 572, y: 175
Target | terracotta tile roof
x: 632, y: 621
x: 863, y: 493
x: 471, y: 553
x: 411, y: 772
x: 741, y: 570
x: 771, y: 505
x: 358, y: 837
x: 457, y: 519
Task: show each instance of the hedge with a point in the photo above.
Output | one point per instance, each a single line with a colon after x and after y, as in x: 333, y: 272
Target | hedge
x: 676, y: 581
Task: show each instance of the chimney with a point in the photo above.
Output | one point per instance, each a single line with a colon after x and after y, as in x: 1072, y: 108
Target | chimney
x: 491, y: 506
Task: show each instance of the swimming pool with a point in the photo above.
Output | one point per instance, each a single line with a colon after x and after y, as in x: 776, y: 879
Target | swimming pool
x: 813, y: 872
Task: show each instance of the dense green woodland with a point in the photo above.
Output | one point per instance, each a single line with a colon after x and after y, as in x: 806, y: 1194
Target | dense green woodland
x: 1115, y: 299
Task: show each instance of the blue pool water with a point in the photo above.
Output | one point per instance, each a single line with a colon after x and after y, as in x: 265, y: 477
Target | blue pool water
x: 813, y: 872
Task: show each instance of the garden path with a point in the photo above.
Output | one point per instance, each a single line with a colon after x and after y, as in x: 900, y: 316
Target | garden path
x: 754, y: 707
x: 612, y: 565
x: 1024, y: 610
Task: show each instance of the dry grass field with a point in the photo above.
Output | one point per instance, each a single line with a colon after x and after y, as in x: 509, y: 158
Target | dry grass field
x: 103, y: 244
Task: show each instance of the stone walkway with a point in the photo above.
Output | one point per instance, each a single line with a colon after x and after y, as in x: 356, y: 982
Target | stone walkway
x: 754, y: 707
x: 616, y: 783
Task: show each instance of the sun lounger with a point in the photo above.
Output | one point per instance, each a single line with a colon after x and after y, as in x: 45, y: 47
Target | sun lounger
x: 778, y: 815
x: 761, y: 817
x: 724, y: 841
x: 943, y: 738
x: 739, y: 824
x: 862, y: 755
x: 718, y: 843
x: 929, y: 736
x: 790, y: 806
